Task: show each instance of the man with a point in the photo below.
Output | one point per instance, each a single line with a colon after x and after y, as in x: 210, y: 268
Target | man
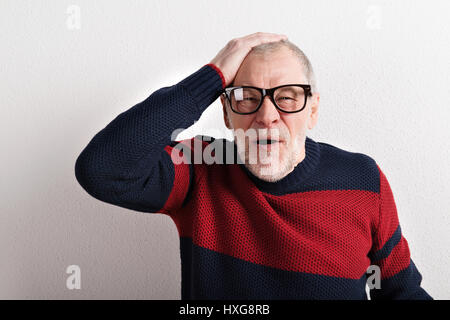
x: 295, y: 219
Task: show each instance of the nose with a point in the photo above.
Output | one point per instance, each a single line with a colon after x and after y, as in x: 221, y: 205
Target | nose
x: 267, y: 115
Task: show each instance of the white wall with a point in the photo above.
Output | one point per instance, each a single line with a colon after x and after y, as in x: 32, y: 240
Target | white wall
x: 383, y: 73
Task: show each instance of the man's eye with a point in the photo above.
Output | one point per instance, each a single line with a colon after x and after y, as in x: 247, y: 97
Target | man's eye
x: 286, y: 98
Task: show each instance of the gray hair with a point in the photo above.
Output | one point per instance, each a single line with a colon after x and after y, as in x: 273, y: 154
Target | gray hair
x: 270, y: 47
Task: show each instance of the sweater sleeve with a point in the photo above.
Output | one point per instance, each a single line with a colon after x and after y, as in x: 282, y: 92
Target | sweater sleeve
x: 400, y: 279
x: 130, y: 162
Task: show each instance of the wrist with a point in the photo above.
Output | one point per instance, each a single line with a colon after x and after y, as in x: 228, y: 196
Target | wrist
x: 219, y: 71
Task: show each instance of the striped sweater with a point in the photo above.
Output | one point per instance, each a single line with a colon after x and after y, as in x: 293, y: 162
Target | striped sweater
x: 311, y: 235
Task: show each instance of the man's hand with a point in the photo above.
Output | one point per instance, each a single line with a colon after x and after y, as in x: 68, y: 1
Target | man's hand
x: 229, y: 59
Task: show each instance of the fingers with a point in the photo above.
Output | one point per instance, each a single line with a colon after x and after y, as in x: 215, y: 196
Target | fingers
x: 265, y: 35
x: 258, y: 38
x: 231, y: 56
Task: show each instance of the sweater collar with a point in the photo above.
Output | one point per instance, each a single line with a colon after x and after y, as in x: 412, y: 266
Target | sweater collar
x: 300, y: 173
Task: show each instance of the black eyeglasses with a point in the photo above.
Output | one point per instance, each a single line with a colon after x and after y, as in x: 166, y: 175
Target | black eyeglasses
x: 289, y: 98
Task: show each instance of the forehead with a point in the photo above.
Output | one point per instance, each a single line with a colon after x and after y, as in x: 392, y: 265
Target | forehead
x: 270, y: 70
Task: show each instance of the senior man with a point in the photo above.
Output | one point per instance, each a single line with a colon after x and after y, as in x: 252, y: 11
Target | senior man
x: 289, y: 218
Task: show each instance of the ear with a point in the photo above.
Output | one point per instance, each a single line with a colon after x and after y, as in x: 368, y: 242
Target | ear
x: 314, y: 115
x: 224, y: 108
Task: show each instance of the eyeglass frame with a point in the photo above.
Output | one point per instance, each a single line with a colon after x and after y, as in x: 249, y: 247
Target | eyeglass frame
x: 268, y: 92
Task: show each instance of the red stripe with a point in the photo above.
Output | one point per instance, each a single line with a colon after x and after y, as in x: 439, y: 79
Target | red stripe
x: 181, y: 179
x: 220, y: 74
x: 388, y: 214
x: 321, y: 232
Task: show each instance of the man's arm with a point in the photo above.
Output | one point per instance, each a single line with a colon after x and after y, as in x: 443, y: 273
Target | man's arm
x: 400, y: 278
x: 129, y: 164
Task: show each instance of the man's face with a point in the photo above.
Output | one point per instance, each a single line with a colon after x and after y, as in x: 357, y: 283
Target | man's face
x: 276, y: 160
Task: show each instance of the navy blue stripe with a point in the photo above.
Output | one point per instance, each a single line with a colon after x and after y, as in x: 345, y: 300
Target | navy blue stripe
x: 405, y: 285
x: 388, y: 246
x: 343, y: 170
x: 327, y: 168
x: 207, y: 274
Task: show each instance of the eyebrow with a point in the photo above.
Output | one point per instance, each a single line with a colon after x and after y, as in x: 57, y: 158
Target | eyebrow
x: 252, y: 85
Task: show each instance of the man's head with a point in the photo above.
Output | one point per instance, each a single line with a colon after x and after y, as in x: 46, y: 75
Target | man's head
x: 267, y: 66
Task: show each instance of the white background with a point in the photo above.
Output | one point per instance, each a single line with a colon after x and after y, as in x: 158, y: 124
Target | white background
x: 382, y: 69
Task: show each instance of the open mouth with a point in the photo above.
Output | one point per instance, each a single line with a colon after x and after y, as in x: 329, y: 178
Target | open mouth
x: 267, y: 141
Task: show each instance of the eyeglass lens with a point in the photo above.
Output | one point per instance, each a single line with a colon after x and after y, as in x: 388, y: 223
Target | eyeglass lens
x: 289, y: 98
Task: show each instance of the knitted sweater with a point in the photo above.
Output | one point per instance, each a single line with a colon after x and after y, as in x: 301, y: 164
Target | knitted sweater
x: 310, y: 235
